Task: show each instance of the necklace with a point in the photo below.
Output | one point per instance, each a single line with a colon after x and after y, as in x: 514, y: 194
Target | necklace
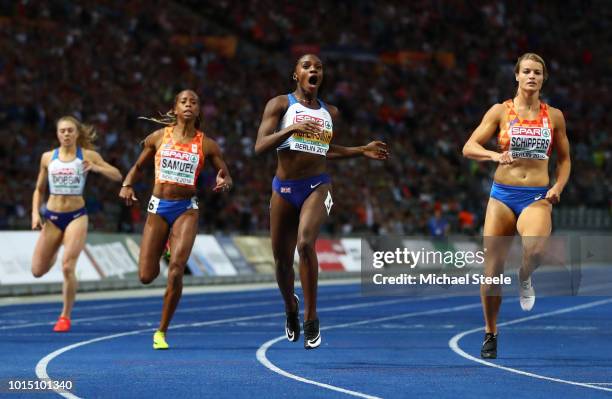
x: 303, y: 100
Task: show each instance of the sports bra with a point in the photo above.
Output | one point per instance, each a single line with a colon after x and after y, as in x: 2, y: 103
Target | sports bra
x: 314, y: 143
x: 531, y: 139
x: 66, y: 178
x: 178, y: 163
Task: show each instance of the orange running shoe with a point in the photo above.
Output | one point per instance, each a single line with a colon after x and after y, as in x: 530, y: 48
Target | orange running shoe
x: 62, y: 325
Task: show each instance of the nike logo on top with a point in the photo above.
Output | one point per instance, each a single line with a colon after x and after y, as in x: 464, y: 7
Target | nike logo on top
x: 537, y: 197
x: 299, y: 111
x: 315, y: 185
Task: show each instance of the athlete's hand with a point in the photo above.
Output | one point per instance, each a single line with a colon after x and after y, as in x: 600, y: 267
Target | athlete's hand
x: 128, y: 195
x: 223, y: 182
x: 305, y: 127
x: 89, y: 166
x: 505, y: 158
x: 553, y: 195
x: 376, y: 150
x: 36, y: 221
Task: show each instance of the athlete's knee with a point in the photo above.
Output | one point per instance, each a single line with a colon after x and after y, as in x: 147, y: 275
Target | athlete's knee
x: 305, y: 247
x: 176, y: 270
x: 68, y: 270
x: 533, y: 250
x: 37, y: 272
x: 147, y: 277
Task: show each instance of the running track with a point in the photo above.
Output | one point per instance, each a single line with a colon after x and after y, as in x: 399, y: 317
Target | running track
x: 230, y: 345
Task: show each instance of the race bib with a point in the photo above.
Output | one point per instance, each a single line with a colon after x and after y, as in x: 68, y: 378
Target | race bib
x: 314, y: 143
x: 66, y: 181
x: 178, y: 167
x: 530, y: 142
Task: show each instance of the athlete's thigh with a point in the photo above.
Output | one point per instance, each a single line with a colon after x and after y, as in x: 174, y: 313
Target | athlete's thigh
x: 47, y: 245
x: 499, y: 219
x: 182, y: 237
x: 154, y: 236
x: 75, y: 238
x: 314, y: 213
x: 284, y: 219
x: 535, y: 220
x: 499, y: 230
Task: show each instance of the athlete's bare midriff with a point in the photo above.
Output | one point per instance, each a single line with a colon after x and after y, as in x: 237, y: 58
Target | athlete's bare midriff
x: 523, y: 172
x: 173, y: 191
x: 299, y: 165
x: 65, y: 203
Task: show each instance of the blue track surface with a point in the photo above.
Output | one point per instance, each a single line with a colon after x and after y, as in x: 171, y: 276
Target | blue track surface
x: 393, y: 347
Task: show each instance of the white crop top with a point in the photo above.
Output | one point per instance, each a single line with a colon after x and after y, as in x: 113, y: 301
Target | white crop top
x: 317, y: 143
x: 66, y: 178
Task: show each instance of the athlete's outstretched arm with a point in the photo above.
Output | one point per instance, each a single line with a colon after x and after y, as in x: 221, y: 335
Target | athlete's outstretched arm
x: 224, y: 181
x: 373, y: 150
x: 564, y: 163
x: 267, y: 137
x: 99, y: 165
x: 39, y: 191
x: 474, y: 147
x: 148, y: 151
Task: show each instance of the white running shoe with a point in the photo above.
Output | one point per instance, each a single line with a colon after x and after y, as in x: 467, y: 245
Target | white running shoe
x: 527, y: 294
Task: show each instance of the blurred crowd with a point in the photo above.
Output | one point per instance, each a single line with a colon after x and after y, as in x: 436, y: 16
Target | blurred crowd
x: 418, y: 75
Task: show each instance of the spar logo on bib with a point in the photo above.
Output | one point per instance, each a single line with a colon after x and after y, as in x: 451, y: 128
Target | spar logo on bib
x: 529, y: 131
x: 545, y: 132
x: 308, y: 118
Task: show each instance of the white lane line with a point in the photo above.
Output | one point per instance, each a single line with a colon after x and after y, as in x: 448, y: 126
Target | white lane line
x: 152, y: 299
x: 42, y: 365
x: 263, y: 359
x: 157, y: 312
x: 453, y: 343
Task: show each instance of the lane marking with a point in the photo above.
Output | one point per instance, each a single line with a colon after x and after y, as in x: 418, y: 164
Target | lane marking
x: 453, y: 343
x: 42, y: 365
x: 263, y: 359
x: 157, y: 312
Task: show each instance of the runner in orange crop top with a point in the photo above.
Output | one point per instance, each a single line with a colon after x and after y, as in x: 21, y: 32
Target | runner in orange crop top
x: 521, y: 198
x: 178, y: 151
x: 179, y: 163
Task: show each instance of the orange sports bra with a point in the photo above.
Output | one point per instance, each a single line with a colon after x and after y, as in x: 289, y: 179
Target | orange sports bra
x: 531, y: 139
x: 177, y: 163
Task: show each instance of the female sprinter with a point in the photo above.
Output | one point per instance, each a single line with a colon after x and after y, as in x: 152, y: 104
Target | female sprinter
x: 178, y: 152
x: 65, y: 216
x: 300, y: 127
x: 521, y: 199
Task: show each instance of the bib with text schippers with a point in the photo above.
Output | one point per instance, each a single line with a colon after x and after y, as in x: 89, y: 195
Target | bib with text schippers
x: 314, y: 143
x: 528, y: 139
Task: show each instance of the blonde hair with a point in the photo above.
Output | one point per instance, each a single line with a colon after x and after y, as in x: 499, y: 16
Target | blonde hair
x: 87, y: 133
x: 531, y: 57
x: 169, y: 118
